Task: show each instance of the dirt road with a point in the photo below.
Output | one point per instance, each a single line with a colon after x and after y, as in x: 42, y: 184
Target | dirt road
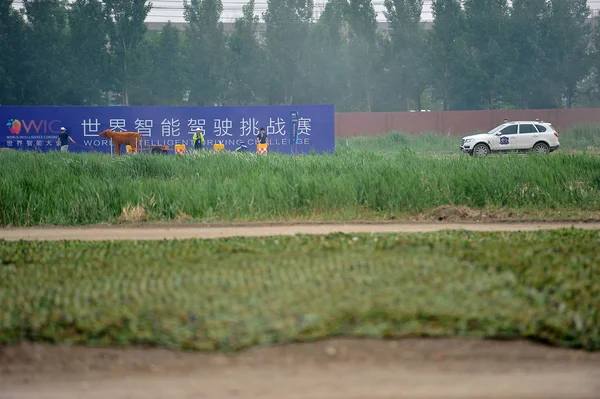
x: 341, y: 369
x: 182, y: 231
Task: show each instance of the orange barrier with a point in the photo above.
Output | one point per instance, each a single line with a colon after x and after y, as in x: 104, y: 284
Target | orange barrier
x: 262, y: 148
x: 179, y: 149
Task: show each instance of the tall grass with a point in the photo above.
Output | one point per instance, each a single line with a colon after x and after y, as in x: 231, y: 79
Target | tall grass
x: 77, y: 189
x: 397, y: 141
x: 585, y: 137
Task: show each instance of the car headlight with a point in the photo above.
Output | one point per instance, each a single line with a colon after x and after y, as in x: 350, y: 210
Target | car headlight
x: 467, y: 140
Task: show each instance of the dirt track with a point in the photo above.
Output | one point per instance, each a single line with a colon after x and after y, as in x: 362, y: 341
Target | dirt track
x: 342, y: 369
x: 182, y: 231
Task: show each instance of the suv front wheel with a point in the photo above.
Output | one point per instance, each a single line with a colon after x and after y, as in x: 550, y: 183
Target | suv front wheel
x: 481, y: 150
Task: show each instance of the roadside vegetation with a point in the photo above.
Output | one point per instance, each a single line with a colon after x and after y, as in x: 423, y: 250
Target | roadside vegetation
x: 388, y: 177
x: 229, y: 294
x: 580, y: 138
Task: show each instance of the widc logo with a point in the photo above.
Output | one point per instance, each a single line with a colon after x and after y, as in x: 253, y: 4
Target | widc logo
x: 14, y: 125
x: 43, y: 126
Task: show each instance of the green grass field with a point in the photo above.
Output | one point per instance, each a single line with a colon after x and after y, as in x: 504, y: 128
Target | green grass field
x: 58, y: 189
x: 582, y: 138
x: 228, y: 294
x: 394, y: 176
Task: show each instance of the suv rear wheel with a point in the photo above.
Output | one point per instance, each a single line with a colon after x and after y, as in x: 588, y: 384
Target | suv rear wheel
x: 481, y: 150
x: 541, y: 148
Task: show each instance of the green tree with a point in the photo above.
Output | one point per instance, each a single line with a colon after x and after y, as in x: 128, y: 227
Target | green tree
x: 287, y: 27
x: 204, y: 53
x: 46, y: 62
x: 407, y: 62
x: 88, y: 43
x: 589, y: 88
x: 126, y: 29
x: 12, y: 31
x: 143, y: 81
x: 363, y: 53
x: 245, y: 61
x: 167, y: 66
x: 329, y: 77
x: 526, y: 51
x: 567, y: 42
x: 487, y: 40
x: 446, y: 50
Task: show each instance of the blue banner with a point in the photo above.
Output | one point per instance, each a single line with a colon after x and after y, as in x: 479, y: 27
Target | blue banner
x: 37, y: 128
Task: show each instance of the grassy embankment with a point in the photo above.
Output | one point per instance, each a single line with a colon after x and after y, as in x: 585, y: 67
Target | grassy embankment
x: 78, y: 189
x: 229, y: 294
x: 582, y: 138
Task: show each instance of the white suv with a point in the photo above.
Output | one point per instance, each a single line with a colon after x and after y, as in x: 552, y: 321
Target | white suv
x: 539, y: 137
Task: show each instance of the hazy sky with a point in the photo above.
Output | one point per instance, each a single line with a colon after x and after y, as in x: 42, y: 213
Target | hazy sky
x: 173, y: 9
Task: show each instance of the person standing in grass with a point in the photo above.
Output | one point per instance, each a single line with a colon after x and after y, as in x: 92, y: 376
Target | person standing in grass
x: 261, y: 136
x: 198, y: 139
x: 63, y: 140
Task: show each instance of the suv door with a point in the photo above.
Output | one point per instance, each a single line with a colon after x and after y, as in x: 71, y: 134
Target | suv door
x: 506, y: 139
x: 546, y: 133
x: 528, y: 136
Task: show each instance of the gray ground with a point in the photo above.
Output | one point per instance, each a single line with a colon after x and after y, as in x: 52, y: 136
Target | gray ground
x: 338, y: 369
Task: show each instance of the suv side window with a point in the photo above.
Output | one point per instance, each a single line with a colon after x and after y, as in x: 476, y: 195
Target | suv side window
x: 512, y: 129
x: 524, y: 129
x: 540, y: 128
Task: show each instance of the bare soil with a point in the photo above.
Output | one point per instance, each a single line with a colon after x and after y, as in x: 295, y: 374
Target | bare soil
x: 184, y: 230
x: 335, y: 369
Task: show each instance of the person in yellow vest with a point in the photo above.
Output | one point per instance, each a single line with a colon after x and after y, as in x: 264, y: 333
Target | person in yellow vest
x: 198, y: 139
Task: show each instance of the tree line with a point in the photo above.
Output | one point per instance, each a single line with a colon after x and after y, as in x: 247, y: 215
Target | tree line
x: 476, y: 54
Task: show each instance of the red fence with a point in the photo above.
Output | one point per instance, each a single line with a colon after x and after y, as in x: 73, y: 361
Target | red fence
x: 453, y: 123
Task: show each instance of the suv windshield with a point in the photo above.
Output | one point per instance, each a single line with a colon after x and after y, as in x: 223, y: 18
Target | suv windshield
x: 497, y: 128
